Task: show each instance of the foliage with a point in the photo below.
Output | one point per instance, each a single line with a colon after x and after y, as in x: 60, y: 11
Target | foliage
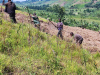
x: 70, y: 18
x: 55, y: 8
x: 89, y: 4
x: 42, y: 7
x: 78, y: 6
x: 36, y: 0
x: 83, y: 24
x: 97, y: 5
x: 25, y: 50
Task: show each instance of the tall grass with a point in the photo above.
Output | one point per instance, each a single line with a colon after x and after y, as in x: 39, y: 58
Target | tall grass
x: 26, y: 50
x: 42, y: 56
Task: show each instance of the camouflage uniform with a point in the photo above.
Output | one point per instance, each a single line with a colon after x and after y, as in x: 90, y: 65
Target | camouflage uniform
x: 36, y: 21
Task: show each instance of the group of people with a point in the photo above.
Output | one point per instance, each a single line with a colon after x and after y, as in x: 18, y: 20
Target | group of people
x: 10, y: 8
x: 78, y: 38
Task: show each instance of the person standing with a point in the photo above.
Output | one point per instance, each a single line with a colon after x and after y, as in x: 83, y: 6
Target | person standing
x: 60, y: 28
x: 10, y: 9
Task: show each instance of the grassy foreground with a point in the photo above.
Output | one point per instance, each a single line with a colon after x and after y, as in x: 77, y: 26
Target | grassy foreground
x: 26, y: 51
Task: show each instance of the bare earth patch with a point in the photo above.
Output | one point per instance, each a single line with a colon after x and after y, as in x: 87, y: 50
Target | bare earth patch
x: 91, y: 38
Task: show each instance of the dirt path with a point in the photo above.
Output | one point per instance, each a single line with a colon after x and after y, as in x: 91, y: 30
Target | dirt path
x: 91, y: 38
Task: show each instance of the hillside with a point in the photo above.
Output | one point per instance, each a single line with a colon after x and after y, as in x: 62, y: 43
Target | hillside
x: 91, y: 38
x: 26, y: 51
x: 65, y: 3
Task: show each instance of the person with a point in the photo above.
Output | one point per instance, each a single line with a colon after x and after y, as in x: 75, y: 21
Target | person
x: 10, y: 9
x: 78, y: 38
x: 60, y: 28
x: 36, y: 21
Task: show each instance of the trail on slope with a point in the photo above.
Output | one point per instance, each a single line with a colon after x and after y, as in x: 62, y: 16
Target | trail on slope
x: 91, y: 38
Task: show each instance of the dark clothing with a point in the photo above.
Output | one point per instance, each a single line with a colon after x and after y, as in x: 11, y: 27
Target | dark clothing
x: 12, y: 17
x: 5, y: 9
x: 36, y: 21
x: 60, y: 33
x: 35, y: 17
x: 78, y: 38
x: 80, y: 41
x: 10, y: 9
x: 60, y: 27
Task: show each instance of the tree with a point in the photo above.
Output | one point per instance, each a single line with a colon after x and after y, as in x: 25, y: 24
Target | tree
x: 60, y: 10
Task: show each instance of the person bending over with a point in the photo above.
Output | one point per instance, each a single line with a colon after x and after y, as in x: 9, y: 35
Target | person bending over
x: 78, y: 38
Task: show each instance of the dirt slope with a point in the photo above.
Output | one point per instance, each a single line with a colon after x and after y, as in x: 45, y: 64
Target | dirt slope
x: 91, y: 38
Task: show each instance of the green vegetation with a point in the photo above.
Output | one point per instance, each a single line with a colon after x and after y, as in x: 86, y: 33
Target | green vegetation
x: 85, y: 18
x: 25, y: 50
x: 66, y: 3
x: 78, y: 13
x: 60, y: 11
